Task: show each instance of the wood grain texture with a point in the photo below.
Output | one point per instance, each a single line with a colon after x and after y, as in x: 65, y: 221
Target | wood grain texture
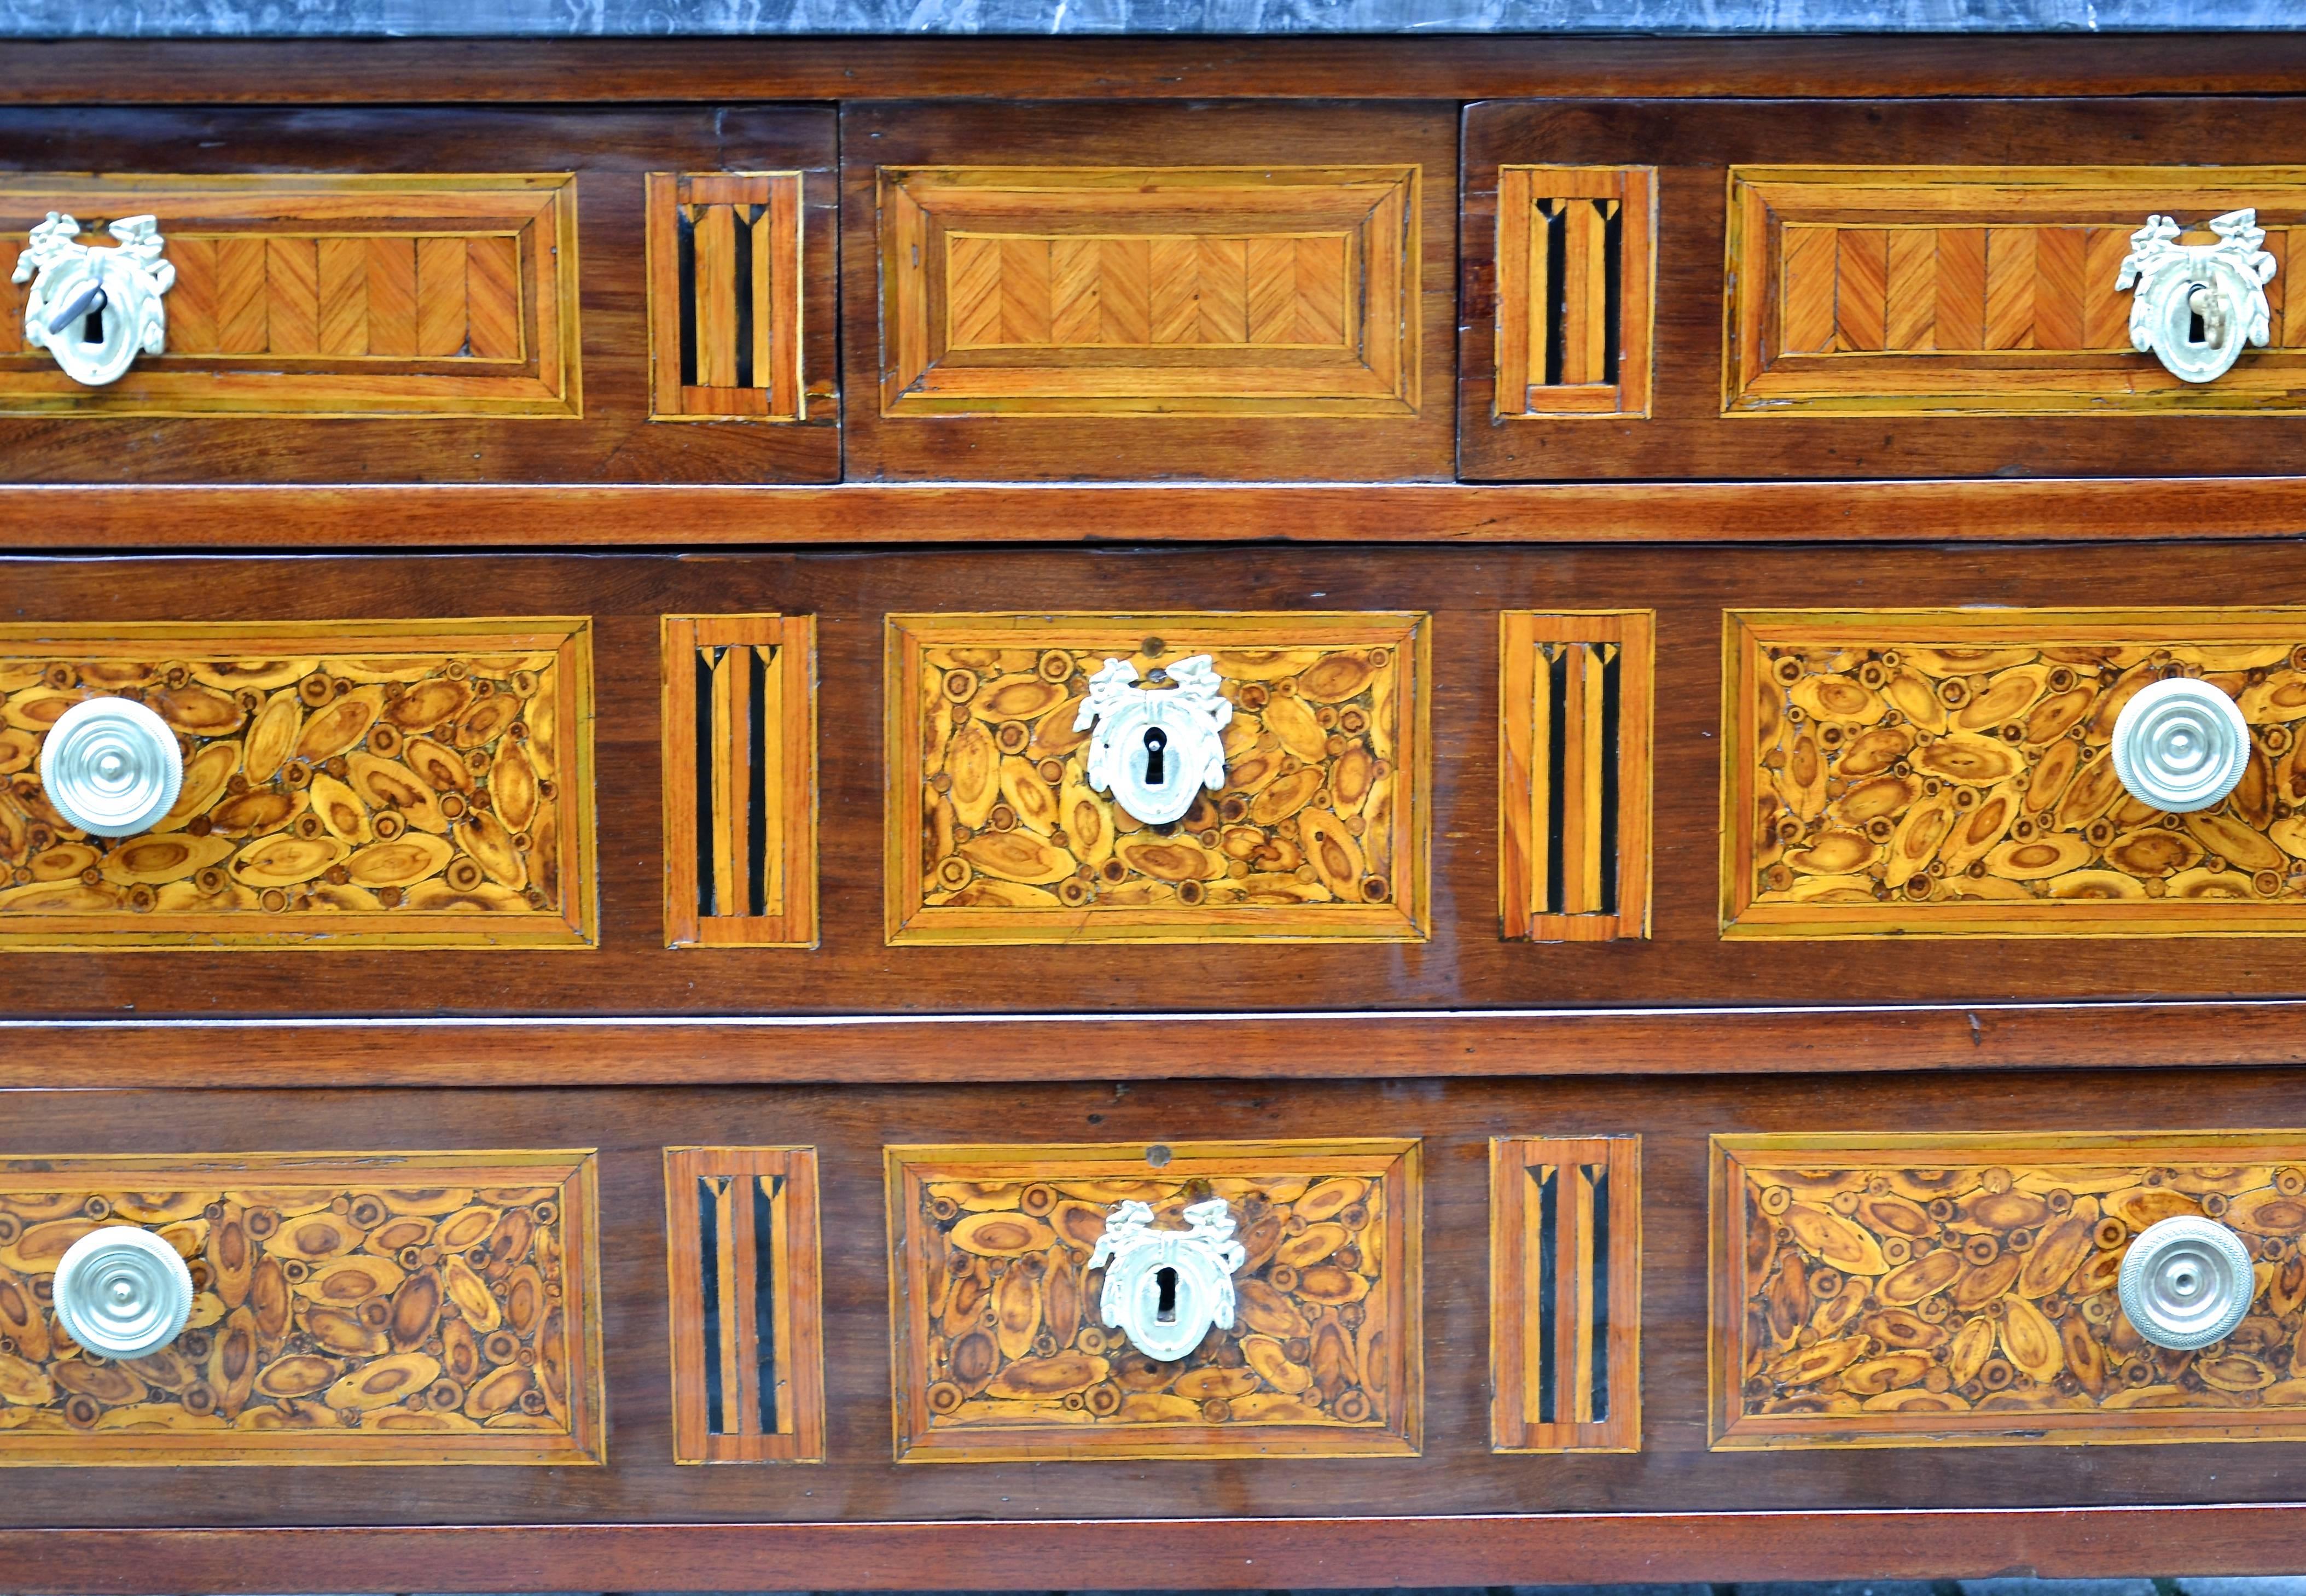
x: 1320, y: 832
x: 412, y: 1308
x: 282, y: 339
x: 1575, y: 706
x: 1565, y: 1293
x: 435, y: 793
x: 739, y: 780
x: 1270, y: 301
x: 2044, y: 304
x: 746, y: 1304
x: 1913, y: 773
x: 1949, y: 1291
x: 1555, y: 304
x: 711, y: 359
x: 1000, y: 1353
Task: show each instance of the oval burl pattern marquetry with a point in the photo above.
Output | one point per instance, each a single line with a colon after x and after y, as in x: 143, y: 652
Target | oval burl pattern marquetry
x: 348, y: 1307
x: 1319, y: 831
x: 1935, y: 1290
x: 1949, y: 772
x: 1002, y: 1353
x: 420, y: 784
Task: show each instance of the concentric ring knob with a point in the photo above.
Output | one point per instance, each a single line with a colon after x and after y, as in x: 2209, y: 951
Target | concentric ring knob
x: 121, y: 1292
x: 2179, y: 745
x: 111, y: 767
x: 2186, y: 1282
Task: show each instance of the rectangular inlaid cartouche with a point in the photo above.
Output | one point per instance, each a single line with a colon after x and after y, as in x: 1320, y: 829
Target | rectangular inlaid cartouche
x: 1317, y: 832
x: 416, y: 783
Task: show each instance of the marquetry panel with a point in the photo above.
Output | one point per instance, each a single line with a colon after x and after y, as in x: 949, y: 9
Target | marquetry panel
x: 725, y: 294
x: 1576, y: 705
x: 741, y: 780
x: 747, y: 1325
x: 420, y: 784
x: 1149, y: 290
x: 1576, y: 270
x: 1918, y: 1290
x: 348, y: 1307
x: 1000, y: 1350
x: 1565, y: 1293
x: 1981, y: 290
x: 413, y: 295
x: 1947, y: 772
x: 1319, y: 833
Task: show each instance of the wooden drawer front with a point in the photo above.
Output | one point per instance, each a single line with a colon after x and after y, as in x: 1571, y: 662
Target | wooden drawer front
x: 343, y: 296
x: 1952, y: 1290
x: 425, y: 1308
x: 995, y: 835
x: 418, y: 783
x: 1000, y: 1350
x: 1902, y: 772
x: 1921, y: 289
x: 1259, y: 304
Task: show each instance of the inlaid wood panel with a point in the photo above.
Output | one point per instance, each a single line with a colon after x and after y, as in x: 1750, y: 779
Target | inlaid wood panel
x: 349, y: 295
x: 412, y: 783
x: 1979, y: 289
x: 741, y: 780
x: 726, y: 297
x: 1576, y: 708
x: 1565, y: 1293
x: 1903, y: 772
x: 999, y: 1349
x: 1060, y: 290
x: 747, y: 1332
x: 1949, y: 1290
x: 1319, y: 833
x: 373, y: 1307
x: 1576, y: 274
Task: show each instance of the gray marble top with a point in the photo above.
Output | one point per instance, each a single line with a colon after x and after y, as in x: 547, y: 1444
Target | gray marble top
x: 186, y: 19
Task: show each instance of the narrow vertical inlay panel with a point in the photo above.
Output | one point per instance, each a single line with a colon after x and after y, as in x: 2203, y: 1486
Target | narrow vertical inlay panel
x: 1565, y: 1293
x: 1576, y: 272
x: 724, y: 273
x: 747, y: 1336
x: 741, y: 780
x: 1149, y: 290
x: 1576, y: 702
x: 1000, y: 1353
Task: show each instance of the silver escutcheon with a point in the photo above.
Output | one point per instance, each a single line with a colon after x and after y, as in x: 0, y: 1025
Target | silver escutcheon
x: 121, y: 1292
x: 111, y: 767
x: 2196, y: 305
x: 96, y: 308
x: 2179, y: 745
x: 1165, y: 1290
x: 2186, y: 1282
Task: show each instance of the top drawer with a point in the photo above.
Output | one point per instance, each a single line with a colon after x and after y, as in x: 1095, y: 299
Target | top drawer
x: 403, y: 295
x: 1707, y: 289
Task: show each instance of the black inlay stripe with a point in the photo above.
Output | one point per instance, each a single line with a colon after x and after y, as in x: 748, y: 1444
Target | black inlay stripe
x: 765, y: 1299
x: 702, y: 754
x: 1599, y: 1289
x: 708, y: 1262
x: 1557, y: 290
x: 1548, y: 1299
x: 1557, y: 752
x: 757, y: 795
x: 1613, y: 242
x: 685, y: 258
x: 1610, y: 690
x: 743, y: 232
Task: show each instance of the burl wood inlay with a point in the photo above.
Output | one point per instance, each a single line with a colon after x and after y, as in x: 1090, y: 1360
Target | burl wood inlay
x: 418, y: 783
x: 741, y: 780
x: 1979, y: 290
x: 1947, y: 772
x: 1565, y: 1293
x: 1576, y: 290
x: 1000, y: 1353
x: 724, y: 275
x: 1149, y: 290
x: 747, y: 1316
x: 348, y: 1307
x: 1319, y: 833
x: 415, y: 295
x: 1948, y: 1290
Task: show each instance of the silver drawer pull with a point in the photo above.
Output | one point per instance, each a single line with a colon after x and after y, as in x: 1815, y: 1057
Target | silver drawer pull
x: 1166, y: 1289
x: 2196, y: 305
x: 95, y: 308
x: 121, y: 1292
x: 2179, y: 745
x: 2186, y: 1282
x: 111, y: 767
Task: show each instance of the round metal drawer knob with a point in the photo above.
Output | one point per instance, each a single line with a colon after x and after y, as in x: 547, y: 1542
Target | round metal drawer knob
x: 111, y: 767
x: 2186, y: 1282
x: 2179, y: 745
x: 121, y: 1292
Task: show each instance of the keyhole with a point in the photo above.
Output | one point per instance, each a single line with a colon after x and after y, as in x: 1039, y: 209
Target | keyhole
x: 1165, y: 1309
x: 91, y: 325
x: 2197, y: 331
x: 1156, y: 741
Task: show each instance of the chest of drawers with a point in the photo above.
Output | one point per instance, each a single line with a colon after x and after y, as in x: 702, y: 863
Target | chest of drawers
x: 1392, y: 812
